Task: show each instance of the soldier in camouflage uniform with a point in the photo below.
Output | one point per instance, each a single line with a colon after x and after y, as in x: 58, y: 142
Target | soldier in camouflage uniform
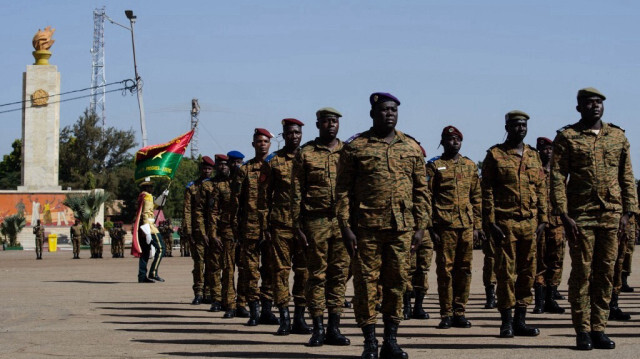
x: 196, y: 197
x: 314, y: 198
x: 489, y: 269
x: 456, y: 201
x: 38, y: 230
x: 184, y: 241
x: 626, y: 264
x: 595, y: 206
x: 382, y: 208
x: 514, y: 203
x: 167, y: 234
x: 287, y: 250
x: 97, y: 235
x: 550, y: 247
x: 121, y: 233
x: 76, y: 238
x: 615, y: 312
x: 249, y: 222
x: 417, y: 279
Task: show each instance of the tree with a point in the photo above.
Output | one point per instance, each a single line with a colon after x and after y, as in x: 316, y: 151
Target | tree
x: 10, y: 167
x: 85, y: 207
x: 11, y: 226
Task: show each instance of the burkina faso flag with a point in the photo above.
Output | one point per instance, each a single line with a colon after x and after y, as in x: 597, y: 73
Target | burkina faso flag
x: 161, y: 160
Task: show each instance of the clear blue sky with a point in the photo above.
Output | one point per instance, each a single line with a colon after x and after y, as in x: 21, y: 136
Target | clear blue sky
x: 252, y: 63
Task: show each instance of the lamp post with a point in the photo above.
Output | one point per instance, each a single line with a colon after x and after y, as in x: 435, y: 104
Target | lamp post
x: 132, y: 19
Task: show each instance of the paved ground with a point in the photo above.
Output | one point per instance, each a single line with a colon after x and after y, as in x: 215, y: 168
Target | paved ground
x: 92, y: 308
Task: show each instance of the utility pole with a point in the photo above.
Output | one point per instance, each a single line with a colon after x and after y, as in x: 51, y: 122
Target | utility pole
x: 98, y: 78
x: 195, y: 111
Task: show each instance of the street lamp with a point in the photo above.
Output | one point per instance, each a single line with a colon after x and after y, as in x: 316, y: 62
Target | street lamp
x: 132, y: 19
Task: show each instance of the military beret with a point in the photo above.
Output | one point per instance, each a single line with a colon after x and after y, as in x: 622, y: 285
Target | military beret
x: 206, y: 160
x: 235, y: 154
x: 380, y: 97
x: 590, y: 91
x: 516, y: 115
x: 221, y: 157
x: 543, y: 141
x: 328, y: 111
x: 451, y: 131
x: 262, y: 131
x: 292, y: 121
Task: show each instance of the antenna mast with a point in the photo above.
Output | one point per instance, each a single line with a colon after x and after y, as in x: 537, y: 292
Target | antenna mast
x: 98, y: 80
x: 195, y: 111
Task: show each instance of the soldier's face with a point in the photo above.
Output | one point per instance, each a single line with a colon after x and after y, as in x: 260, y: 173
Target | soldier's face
x: 292, y: 136
x: 545, y: 153
x: 223, y: 168
x: 236, y: 162
x: 451, y: 144
x: 591, y: 108
x: 328, y: 126
x: 516, y: 130
x: 261, y: 144
x: 206, y: 171
x: 385, y: 115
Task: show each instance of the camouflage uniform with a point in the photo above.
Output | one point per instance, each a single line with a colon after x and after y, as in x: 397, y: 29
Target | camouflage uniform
x: 184, y: 241
x: 97, y: 235
x: 314, y: 199
x: 623, y: 250
x: 167, y: 234
x: 76, y: 237
x: 456, y: 200
x: 599, y: 190
x: 383, y: 185
x: 513, y: 197
x: 221, y: 228
x: 286, y: 249
x: 38, y: 230
x: 489, y: 262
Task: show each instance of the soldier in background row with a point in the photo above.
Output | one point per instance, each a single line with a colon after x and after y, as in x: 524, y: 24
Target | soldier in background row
x: 96, y: 235
x: 38, y: 230
x: 167, y: 235
x: 76, y: 234
x: 184, y: 241
x: 117, y: 234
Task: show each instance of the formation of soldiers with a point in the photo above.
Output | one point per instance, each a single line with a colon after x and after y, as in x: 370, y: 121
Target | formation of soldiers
x: 117, y: 233
x: 374, y: 209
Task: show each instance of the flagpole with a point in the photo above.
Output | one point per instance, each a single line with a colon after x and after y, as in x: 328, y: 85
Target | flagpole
x: 164, y: 200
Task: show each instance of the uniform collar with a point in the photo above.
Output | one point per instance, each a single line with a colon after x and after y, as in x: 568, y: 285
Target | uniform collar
x: 319, y: 144
x: 398, y: 136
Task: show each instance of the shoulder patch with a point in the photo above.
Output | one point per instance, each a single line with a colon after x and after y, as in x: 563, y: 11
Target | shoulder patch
x: 270, y: 157
x: 411, y: 137
x: 353, y: 137
x: 616, y: 126
x: 190, y: 184
x: 433, y: 159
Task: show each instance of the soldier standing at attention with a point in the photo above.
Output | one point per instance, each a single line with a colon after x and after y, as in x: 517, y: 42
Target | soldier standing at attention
x: 249, y: 220
x: 550, y: 248
x: 286, y: 248
x: 381, y: 183
x: 595, y: 206
x: 489, y: 269
x: 514, y: 204
x: 456, y: 201
x: 195, y: 223
x: 38, y: 230
x: 120, y: 233
x: 314, y: 176
x: 236, y: 159
x: 167, y: 235
x: 184, y: 241
x: 76, y: 237
x: 99, y: 236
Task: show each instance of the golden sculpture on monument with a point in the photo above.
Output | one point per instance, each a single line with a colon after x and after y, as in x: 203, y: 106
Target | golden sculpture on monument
x: 42, y: 42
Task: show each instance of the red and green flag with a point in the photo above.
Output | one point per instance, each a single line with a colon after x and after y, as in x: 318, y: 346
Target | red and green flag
x: 161, y: 160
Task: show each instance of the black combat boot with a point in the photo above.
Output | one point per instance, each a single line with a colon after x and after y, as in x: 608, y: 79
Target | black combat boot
x: 601, y: 341
x: 550, y: 304
x: 459, y: 321
x: 347, y: 304
x: 253, y: 314
x: 625, y: 284
x: 299, y: 324
x: 538, y: 290
x: 418, y: 311
x: 266, y: 315
x: 406, y: 310
x: 583, y: 341
x: 197, y: 299
x: 490, y: 293
x: 556, y: 294
x: 390, y: 348
x: 520, y: 327
x: 333, y: 335
x: 370, y: 342
x: 285, y: 321
x: 230, y: 313
x: 242, y: 312
x: 615, y: 313
x: 207, y: 297
x: 506, y: 328
x: 215, y: 306
x: 445, y: 322
x: 317, y: 336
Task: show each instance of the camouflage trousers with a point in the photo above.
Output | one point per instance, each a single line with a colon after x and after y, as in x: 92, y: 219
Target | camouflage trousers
x: 378, y: 249
x: 631, y: 243
x: 327, y: 265
x: 75, y: 242
x: 489, y: 262
x: 453, y: 259
x: 39, y: 243
x: 96, y: 246
x: 185, y: 246
x: 419, y: 263
x: 250, y: 271
x: 213, y: 271
x: 168, y: 241
x: 228, y: 262
x: 550, y: 256
x: 198, y: 253
x: 593, y: 256
x: 287, y: 252
x: 516, y: 262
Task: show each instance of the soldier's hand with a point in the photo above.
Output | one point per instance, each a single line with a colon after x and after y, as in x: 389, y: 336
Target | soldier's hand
x: 622, y: 227
x: 435, y: 238
x: 540, y: 230
x: 570, y: 227
x: 416, y: 241
x: 302, y: 238
x: 479, y: 234
x: 497, y: 233
x: 350, y: 241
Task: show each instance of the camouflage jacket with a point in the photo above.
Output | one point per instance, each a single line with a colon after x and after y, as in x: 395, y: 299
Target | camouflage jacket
x: 39, y: 231
x: 197, y: 198
x: 315, y: 170
x: 222, y: 204
x: 279, y: 188
x: 513, y: 185
x: 249, y: 198
x: 76, y: 231
x: 600, y: 182
x: 382, y: 185
x: 456, y: 197
x: 554, y: 221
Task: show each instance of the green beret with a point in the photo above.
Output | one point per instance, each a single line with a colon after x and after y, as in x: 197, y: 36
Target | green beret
x: 590, y: 91
x: 515, y: 115
x: 327, y: 111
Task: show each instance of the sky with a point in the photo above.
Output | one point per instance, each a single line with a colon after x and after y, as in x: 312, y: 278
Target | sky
x: 252, y: 63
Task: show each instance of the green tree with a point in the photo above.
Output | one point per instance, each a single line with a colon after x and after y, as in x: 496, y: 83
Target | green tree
x: 10, y: 167
x: 11, y: 226
x: 85, y: 207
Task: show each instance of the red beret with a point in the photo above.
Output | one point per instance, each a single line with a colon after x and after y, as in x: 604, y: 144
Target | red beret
x: 451, y: 131
x: 292, y: 121
x: 220, y: 157
x: 542, y: 141
x: 206, y: 160
x: 262, y: 131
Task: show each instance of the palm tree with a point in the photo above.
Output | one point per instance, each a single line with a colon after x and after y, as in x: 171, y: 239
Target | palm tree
x: 11, y: 226
x: 85, y: 207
